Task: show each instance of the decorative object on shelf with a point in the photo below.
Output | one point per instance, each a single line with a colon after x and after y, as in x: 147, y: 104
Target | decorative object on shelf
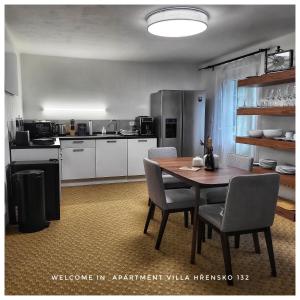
x: 268, y: 163
x: 279, y: 60
x: 255, y: 133
x: 272, y: 133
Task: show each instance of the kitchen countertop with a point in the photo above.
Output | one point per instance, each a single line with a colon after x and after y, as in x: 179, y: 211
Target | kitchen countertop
x: 86, y: 137
x: 31, y: 145
x: 105, y: 136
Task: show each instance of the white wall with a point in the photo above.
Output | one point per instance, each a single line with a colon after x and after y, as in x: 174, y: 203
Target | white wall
x: 13, y: 103
x: 123, y: 88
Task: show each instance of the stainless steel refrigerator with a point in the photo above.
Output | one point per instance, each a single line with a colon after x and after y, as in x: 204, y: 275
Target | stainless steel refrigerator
x: 179, y: 120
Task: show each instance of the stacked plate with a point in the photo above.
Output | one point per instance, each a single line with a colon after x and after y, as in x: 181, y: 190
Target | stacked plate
x: 286, y: 169
x: 268, y: 163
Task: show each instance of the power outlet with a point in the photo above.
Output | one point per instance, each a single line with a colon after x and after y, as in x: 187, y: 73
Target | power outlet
x: 131, y: 123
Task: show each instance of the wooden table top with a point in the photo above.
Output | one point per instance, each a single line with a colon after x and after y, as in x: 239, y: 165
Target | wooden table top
x: 219, y: 177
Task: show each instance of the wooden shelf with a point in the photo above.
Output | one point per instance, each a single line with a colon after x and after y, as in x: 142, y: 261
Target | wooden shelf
x: 288, y: 180
x: 286, y: 209
x: 267, y: 111
x: 263, y: 142
x: 269, y: 79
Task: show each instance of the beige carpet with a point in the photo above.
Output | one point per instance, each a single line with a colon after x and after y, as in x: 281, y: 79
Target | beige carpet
x: 101, y: 232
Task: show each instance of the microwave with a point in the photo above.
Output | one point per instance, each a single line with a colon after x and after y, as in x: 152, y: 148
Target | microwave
x: 39, y: 129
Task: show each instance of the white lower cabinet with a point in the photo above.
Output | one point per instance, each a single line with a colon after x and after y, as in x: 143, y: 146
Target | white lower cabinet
x: 137, y: 151
x: 78, y: 163
x: 111, y: 158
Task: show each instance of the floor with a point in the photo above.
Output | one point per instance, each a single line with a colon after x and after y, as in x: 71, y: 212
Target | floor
x: 101, y: 233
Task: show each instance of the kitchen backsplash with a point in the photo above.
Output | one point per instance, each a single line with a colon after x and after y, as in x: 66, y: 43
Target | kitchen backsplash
x: 98, y: 124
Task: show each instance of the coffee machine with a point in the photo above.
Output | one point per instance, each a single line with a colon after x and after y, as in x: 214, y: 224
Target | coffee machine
x: 144, y: 125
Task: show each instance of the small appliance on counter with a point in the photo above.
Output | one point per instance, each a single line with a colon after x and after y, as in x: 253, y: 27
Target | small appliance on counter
x: 61, y: 129
x: 81, y: 129
x: 90, y: 127
x: 144, y: 125
x: 22, y: 138
x: 39, y: 129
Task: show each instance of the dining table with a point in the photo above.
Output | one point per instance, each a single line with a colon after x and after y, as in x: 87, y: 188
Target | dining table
x: 180, y: 167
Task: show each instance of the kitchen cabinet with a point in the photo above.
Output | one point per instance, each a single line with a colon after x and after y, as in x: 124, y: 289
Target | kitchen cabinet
x: 137, y: 151
x: 111, y: 157
x: 33, y: 154
x: 78, y: 159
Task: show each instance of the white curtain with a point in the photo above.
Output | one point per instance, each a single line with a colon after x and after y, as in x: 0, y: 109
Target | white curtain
x: 224, y: 122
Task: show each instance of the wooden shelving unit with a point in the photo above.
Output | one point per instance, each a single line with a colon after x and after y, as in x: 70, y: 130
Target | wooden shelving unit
x: 269, y: 79
x: 267, y: 111
x: 284, y: 207
x: 288, y: 180
x: 286, y: 211
x: 269, y: 143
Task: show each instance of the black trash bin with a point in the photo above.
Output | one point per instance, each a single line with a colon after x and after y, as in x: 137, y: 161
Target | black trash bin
x: 29, y: 193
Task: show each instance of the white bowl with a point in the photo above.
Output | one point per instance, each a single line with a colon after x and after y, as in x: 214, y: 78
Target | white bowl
x: 271, y: 133
x: 255, y: 133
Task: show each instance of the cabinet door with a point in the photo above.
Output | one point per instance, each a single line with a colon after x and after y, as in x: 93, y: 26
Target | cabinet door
x: 78, y: 163
x: 137, y: 151
x: 111, y: 157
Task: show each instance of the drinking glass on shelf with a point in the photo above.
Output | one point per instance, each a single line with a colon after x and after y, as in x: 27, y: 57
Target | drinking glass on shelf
x: 278, y: 101
x: 270, y: 98
x: 285, y: 95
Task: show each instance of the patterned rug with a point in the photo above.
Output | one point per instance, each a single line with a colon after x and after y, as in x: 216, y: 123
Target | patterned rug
x: 98, y: 248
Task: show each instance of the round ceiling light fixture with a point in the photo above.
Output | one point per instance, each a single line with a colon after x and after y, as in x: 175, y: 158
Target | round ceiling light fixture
x: 177, y: 21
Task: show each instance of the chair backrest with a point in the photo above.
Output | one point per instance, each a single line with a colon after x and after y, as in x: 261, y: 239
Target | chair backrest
x: 162, y: 152
x: 250, y: 202
x: 155, y: 184
x: 239, y: 161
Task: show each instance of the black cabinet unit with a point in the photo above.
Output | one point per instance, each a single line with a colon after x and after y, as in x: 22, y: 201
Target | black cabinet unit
x: 52, y: 186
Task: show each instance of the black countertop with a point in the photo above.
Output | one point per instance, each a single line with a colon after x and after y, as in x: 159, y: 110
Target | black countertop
x: 31, y: 145
x: 105, y: 136
x: 76, y: 137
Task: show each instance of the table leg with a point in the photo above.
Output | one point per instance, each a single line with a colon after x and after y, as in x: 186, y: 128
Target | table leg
x: 195, y: 226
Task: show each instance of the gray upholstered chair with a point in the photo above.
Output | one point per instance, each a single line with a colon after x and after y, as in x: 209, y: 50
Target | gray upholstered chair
x: 249, y: 208
x: 218, y: 195
x: 169, y: 181
x: 169, y: 201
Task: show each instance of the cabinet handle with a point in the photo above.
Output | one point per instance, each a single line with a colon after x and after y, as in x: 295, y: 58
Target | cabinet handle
x: 142, y: 141
x: 111, y: 141
x: 78, y: 142
x: 78, y: 150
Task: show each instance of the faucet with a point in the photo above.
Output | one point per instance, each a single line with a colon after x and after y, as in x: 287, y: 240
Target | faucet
x: 115, y: 122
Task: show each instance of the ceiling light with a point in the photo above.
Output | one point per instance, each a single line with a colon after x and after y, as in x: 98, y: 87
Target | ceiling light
x: 177, y: 21
x: 57, y: 109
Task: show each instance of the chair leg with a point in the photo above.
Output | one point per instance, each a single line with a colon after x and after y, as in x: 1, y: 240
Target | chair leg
x: 201, y: 231
x: 150, y: 212
x: 256, y: 242
x: 269, y: 244
x: 186, y: 219
x: 192, y: 216
x: 162, y: 228
x: 237, y: 241
x: 227, y: 258
x: 149, y: 201
x: 209, y: 232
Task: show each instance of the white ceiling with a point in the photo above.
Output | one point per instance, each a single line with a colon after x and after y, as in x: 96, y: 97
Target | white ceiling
x: 119, y: 32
